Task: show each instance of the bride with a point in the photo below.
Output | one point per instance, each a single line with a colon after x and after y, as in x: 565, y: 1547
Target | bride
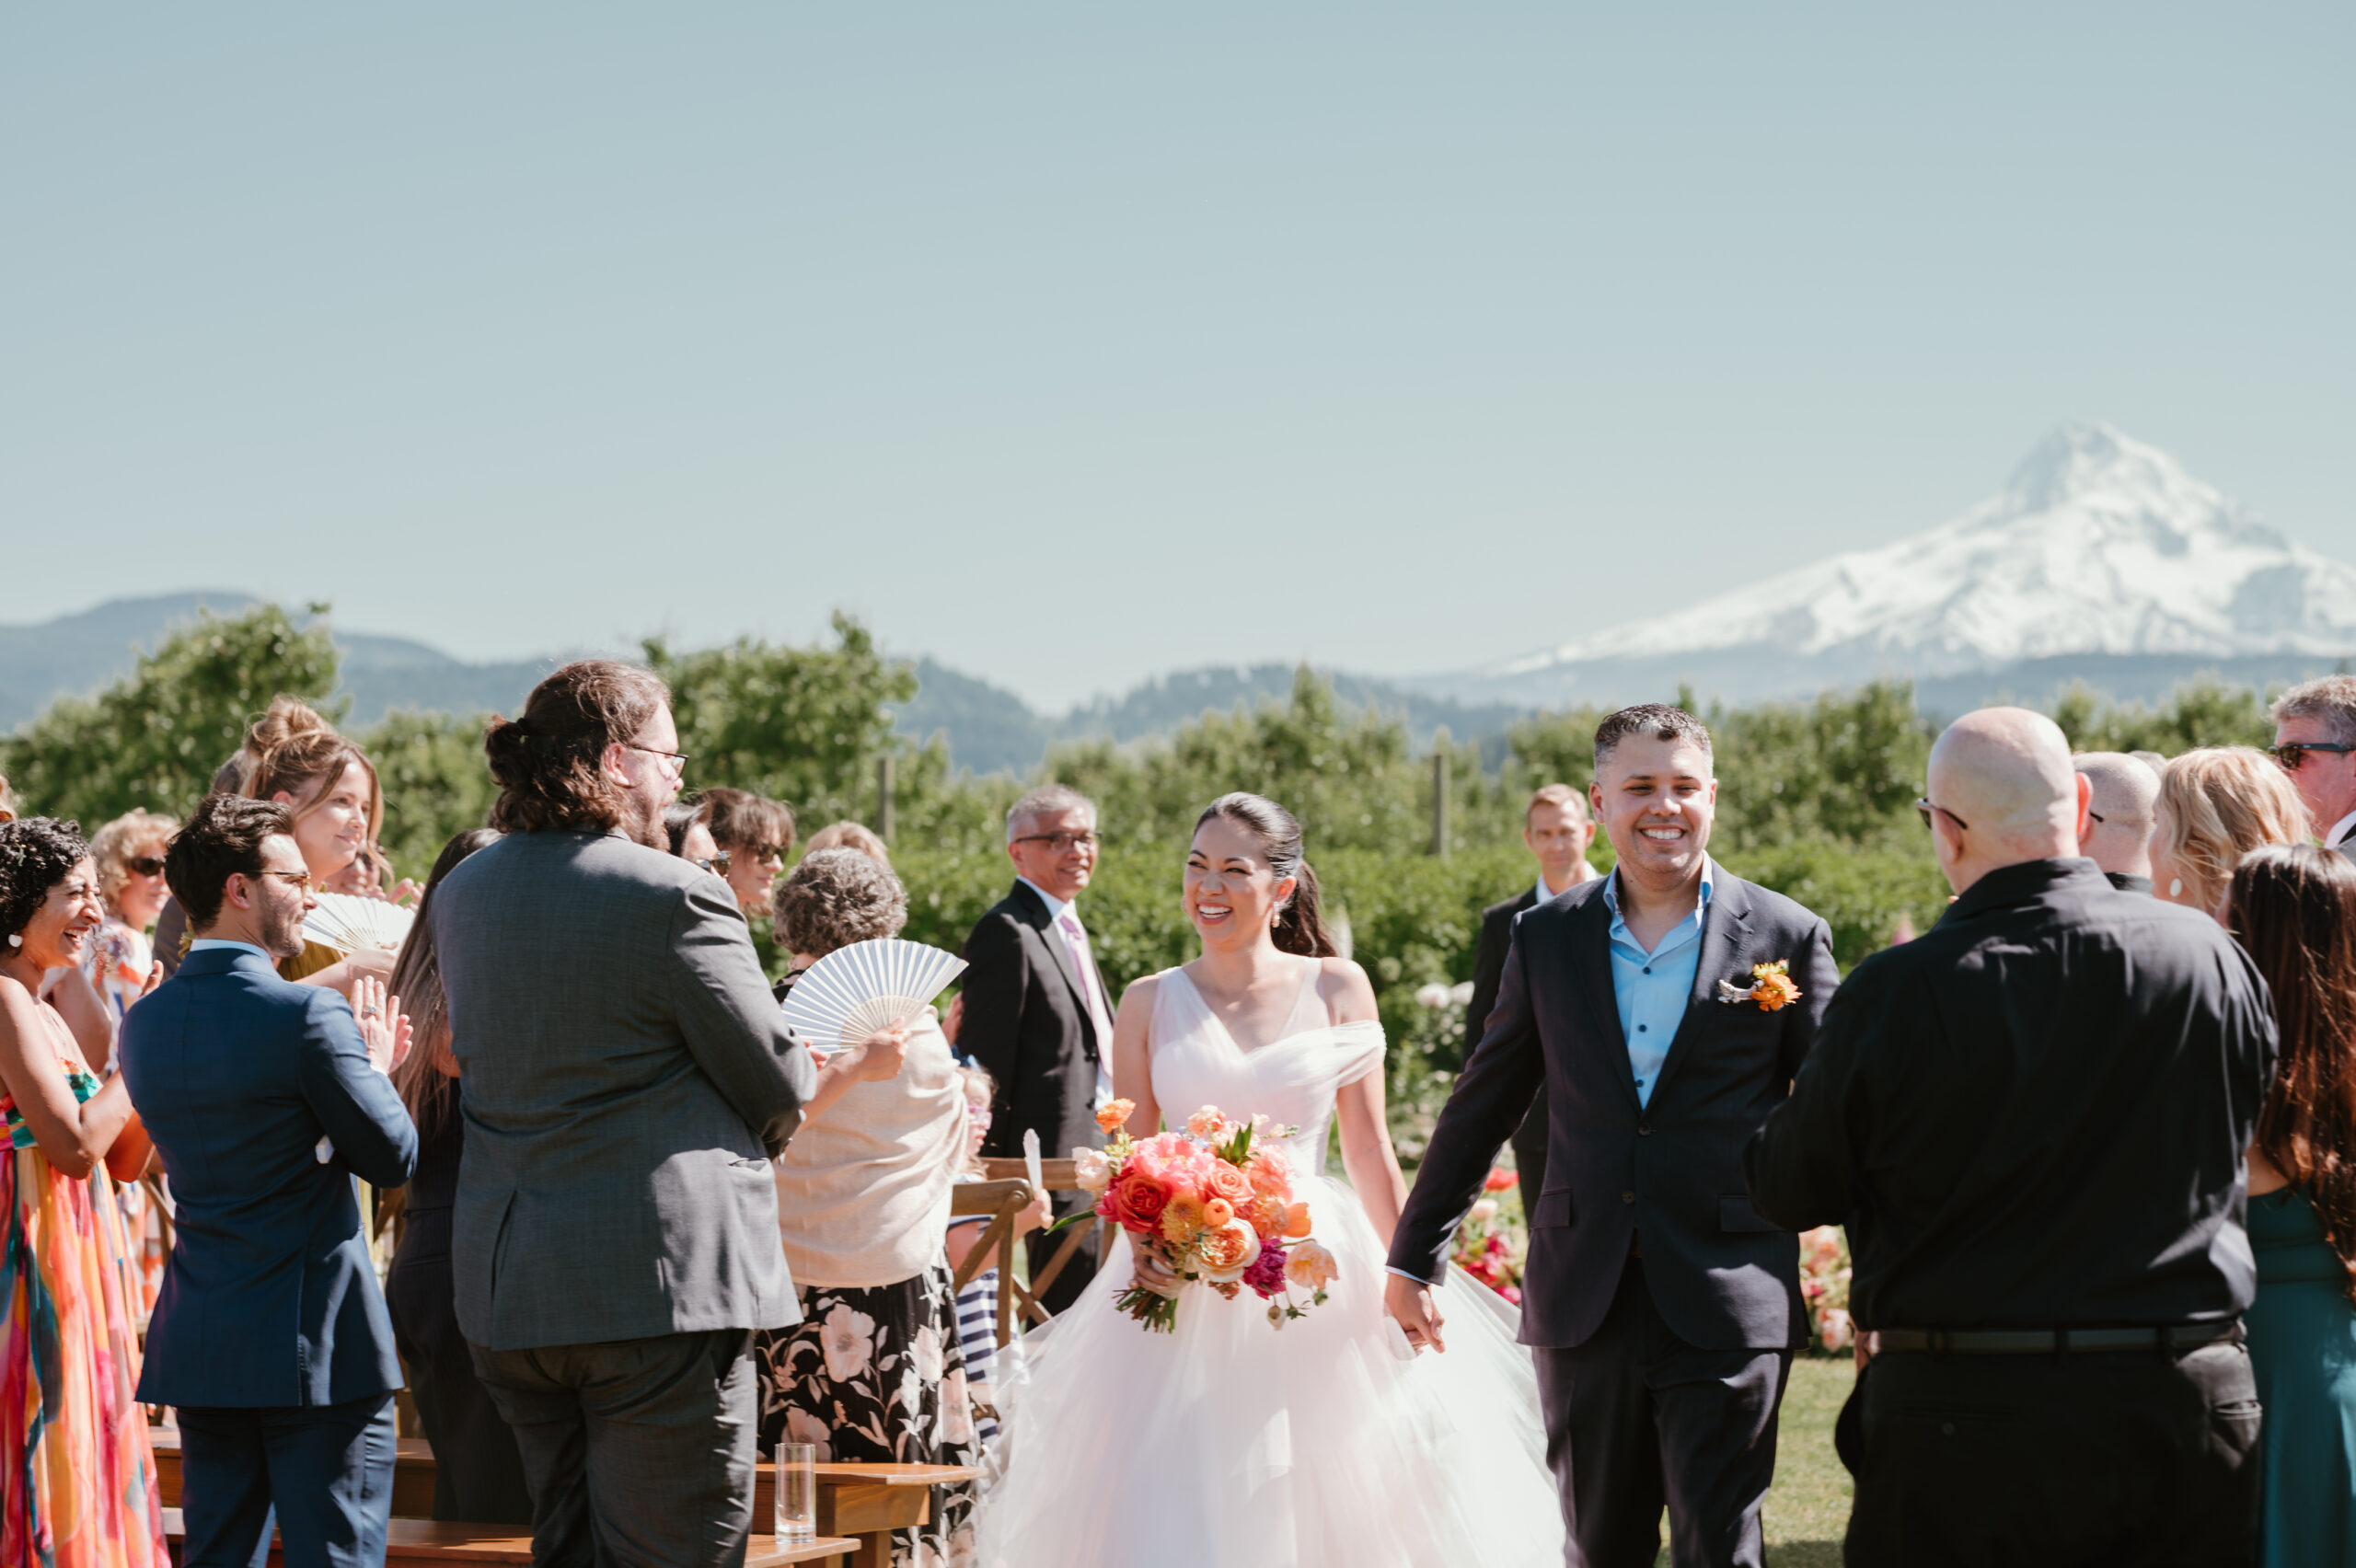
x: 1229, y: 1441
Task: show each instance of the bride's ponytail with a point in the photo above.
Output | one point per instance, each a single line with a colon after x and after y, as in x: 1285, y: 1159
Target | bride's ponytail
x: 1301, y: 925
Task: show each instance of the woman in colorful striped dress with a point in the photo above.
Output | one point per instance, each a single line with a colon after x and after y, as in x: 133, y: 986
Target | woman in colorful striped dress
x: 77, y: 1480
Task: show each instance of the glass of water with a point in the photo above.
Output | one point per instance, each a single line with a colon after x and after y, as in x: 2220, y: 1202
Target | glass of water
x: 797, y: 1492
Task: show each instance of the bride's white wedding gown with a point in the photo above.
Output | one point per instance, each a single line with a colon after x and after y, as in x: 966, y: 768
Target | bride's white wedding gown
x: 1325, y: 1443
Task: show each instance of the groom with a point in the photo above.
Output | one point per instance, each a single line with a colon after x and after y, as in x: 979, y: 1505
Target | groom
x: 1661, y: 1309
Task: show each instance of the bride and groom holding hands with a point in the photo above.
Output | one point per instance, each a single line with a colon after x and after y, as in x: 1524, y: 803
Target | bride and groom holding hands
x: 1664, y: 1011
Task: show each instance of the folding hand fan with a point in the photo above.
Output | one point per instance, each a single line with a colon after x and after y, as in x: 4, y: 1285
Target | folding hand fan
x: 348, y: 923
x: 856, y: 990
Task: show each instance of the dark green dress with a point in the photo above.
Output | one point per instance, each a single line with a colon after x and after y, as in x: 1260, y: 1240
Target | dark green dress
x: 2303, y: 1348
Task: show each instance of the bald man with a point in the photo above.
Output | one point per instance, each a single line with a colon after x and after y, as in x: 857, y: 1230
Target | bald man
x: 2032, y: 1119
x: 2122, y: 806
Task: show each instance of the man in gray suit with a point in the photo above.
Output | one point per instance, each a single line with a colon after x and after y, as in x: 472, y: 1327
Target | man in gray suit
x: 625, y: 1077
x: 2315, y: 737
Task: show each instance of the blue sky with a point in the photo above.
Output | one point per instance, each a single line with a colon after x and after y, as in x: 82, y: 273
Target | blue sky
x: 1070, y: 343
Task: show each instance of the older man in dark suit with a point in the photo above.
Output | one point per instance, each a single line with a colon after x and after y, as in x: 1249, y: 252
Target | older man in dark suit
x: 1665, y: 1007
x: 1035, y: 1009
x: 2315, y: 737
x: 1556, y: 826
x: 2033, y: 1119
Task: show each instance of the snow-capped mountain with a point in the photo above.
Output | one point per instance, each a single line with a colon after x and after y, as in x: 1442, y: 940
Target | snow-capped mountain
x: 2099, y: 548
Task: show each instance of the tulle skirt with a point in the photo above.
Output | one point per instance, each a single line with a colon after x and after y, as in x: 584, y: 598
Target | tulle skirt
x: 1326, y: 1444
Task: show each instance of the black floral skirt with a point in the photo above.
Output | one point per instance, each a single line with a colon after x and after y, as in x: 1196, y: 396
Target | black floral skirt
x: 877, y: 1376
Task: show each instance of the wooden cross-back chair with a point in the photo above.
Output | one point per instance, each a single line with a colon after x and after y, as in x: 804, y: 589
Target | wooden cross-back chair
x: 1005, y: 1195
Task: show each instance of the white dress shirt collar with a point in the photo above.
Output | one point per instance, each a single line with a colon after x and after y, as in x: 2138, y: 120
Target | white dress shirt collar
x: 2341, y: 832
x: 1055, y: 907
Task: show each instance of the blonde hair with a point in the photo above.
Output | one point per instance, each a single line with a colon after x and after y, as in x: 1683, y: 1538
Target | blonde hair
x: 2217, y: 804
x: 118, y: 842
x: 849, y: 836
x: 296, y: 750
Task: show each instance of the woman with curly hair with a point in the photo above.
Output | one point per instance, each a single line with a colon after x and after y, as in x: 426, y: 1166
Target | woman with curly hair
x: 2293, y: 909
x: 80, y: 1479
x: 873, y: 1372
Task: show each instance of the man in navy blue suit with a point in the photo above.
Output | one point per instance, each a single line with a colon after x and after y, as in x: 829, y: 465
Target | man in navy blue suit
x: 265, y: 1099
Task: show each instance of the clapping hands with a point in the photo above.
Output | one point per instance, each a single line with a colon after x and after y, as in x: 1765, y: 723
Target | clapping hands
x: 383, y: 1026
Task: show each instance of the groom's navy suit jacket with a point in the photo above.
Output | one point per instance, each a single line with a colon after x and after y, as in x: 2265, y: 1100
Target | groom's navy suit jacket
x: 1667, y: 1173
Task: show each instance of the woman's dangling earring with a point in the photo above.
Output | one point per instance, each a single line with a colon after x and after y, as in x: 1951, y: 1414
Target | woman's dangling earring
x: 16, y: 941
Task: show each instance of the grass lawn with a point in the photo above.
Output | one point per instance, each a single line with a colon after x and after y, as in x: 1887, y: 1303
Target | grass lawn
x: 1808, y: 1509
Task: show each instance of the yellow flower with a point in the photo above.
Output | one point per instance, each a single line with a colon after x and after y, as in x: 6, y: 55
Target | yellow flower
x: 1183, y: 1218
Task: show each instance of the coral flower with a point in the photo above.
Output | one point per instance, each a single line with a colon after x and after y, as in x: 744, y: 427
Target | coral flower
x: 1296, y: 1221
x: 1772, y: 985
x: 1136, y: 1199
x: 1310, y: 1266
x: 1207, y: 1122
x: 1226, y: 1181
x: 1499, y: 1179
x: 1184, y: 1219
x: 1218, y: 1211
x: 1111, y: 1117
x: 1270, y: 1173
x: 1266, y: 1215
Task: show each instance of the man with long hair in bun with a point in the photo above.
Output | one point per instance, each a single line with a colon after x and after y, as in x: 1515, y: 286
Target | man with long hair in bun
x: 625, y: 1077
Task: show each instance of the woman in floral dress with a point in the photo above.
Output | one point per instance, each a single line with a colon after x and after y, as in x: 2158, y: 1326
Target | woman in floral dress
x: 77, y: 1480
x: 873, y: 1371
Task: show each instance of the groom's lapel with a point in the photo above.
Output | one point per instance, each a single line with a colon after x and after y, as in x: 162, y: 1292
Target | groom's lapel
x: 1590, y: 933
x: 1725, y: 929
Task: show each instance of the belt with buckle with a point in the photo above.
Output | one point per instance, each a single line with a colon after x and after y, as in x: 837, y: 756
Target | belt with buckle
x: 2058, y: 1342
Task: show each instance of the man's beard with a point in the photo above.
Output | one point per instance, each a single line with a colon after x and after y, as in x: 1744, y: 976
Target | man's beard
x: 642, y: 821
x: 281, y: 929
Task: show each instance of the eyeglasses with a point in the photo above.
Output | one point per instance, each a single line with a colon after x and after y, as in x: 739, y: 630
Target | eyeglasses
x: 2293, y: 753
x: 292, y: 878
x: 718, y: 864
x: 678, y: 760
x: 1061, y: 842
x: 1923, y: 807
x: 144, y: 865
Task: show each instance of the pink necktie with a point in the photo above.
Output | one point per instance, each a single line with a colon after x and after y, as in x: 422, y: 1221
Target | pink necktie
x: 1083, y: 964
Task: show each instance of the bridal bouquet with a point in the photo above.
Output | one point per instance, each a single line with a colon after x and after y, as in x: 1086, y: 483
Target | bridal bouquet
x: 1212, y: 1207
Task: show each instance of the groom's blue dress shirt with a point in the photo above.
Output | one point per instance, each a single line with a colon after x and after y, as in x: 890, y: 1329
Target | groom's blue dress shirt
x: 1651, y: 987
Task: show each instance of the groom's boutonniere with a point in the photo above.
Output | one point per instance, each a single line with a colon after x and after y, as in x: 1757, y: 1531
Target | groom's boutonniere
x: 1770, y: 986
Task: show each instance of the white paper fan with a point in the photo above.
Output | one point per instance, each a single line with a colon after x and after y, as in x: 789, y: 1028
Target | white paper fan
x: 348, y: 923
x: 856, y: 990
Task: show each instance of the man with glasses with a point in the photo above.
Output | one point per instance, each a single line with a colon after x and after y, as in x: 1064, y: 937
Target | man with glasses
x: 2315, y: 739
x: 1036, y: 1010
x: 2032, y: 1121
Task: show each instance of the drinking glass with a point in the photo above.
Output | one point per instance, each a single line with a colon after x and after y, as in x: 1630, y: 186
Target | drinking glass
x: 797, y: 1492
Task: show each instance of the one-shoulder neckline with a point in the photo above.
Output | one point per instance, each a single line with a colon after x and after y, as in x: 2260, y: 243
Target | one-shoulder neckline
x: 1308, y: 984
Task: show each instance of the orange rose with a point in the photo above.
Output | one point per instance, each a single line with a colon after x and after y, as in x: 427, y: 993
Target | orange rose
x: 1226, y: 1181
x: 1227, y: 1250
x: 1218, y: 1211
x: 1296, y: 1221
x: 1110, y: 1118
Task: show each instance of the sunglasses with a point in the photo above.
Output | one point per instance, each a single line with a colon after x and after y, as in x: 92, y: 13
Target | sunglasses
x: 718, y: 864
x: 2295, y: 752
x: 146, y: 865
x: 1923, y: 807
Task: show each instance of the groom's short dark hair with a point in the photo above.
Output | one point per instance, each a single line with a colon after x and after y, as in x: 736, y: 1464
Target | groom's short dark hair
x: 1657, y: 719
x: 222, y: 838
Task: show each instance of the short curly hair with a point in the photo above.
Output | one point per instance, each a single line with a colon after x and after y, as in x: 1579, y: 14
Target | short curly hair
x: 836, y: 897
x: 36, y: 854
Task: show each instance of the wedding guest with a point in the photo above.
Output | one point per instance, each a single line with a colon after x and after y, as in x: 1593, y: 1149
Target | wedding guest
x: 80, y: 1488
x: 848, y: 836
x: 171, y: 924
x: 2121, y: 811
x: 625, y: 1077
x: 2032, y: 1119
x: 978, y: 1302
x: 2315, y: 740
x: 686, y: 827
x: 478, y: 1473
x: 266, y: 1099
x: 7, y: 801
x: 2293, y: 909
x: 129, y: 852
x: 1034, y: 1010
x: 1556, y: 827
x: 873, y: 1372
x: 756, y: 835
x: 2215, y: 805
x: 330, y: 790
x: 1661, y: 1310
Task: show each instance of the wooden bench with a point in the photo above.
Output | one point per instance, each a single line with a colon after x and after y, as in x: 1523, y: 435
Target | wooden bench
x: 868, y: 1502
x: 426, y: 1541
x: 1057, y: 1176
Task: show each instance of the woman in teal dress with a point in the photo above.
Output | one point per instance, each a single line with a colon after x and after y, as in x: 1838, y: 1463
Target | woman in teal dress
x: 2293, y: 908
